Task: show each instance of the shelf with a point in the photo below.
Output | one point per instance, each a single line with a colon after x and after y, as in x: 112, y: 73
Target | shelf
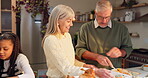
x: 6, y: 29
x: 5, y: 10
x: 134, y: 35
x: 134, y: 6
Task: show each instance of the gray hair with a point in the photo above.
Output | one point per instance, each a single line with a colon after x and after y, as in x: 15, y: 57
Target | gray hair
x: 103, y: 5
x: 59, y: 12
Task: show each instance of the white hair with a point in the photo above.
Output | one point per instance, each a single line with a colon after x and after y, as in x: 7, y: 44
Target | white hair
x: 59, y: 12
x: 103, y: 5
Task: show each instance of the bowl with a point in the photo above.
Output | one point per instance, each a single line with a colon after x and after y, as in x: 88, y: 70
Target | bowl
x: 145, y: 67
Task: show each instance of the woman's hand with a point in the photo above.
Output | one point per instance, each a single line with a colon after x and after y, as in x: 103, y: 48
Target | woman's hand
x: 100, y: 72
x: 89, y: 66
x: 103, y: 73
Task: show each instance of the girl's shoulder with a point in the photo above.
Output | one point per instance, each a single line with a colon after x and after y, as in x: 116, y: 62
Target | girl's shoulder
x: 21, y: 57
x: 21, y: 60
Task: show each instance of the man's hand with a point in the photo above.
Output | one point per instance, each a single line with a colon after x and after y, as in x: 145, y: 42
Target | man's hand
x: 114, y: 53
x: 103, y: 60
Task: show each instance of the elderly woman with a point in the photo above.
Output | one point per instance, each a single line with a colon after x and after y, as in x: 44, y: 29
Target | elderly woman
x: 58, y: 48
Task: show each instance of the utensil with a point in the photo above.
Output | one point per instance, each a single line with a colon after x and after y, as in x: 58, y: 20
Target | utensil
x: 112, y: 67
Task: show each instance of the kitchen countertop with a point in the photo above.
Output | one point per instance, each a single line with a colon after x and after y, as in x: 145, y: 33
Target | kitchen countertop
x: 143, y: 73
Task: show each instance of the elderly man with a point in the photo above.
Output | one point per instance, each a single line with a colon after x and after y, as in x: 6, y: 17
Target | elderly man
x: 103, y: 42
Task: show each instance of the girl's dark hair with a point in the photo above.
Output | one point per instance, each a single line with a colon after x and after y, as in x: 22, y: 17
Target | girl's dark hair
x: 16, y: 51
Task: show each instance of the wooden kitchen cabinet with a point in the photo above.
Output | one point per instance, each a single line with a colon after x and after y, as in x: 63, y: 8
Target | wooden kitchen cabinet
x: 7, y: 16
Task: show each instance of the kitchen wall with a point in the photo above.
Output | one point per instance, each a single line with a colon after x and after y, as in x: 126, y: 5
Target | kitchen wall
x: 77, y: 5
x: 140, y: 27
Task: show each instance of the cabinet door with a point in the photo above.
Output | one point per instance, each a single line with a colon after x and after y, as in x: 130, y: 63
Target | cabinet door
x: 7, y: 17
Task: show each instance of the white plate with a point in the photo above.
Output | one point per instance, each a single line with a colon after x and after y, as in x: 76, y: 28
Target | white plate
x: 78, y: 77
x: 117, y: 73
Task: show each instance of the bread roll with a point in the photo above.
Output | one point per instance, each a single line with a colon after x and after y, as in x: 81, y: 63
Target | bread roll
x: 88, y: 74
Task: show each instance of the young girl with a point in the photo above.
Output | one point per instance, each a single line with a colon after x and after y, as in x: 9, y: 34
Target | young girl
x: 13, y: 64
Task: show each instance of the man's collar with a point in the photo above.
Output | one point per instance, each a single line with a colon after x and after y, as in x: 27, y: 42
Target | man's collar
x: 96, y: 24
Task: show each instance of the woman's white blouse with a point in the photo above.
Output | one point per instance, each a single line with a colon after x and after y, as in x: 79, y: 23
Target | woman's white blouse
x: 60, y: 57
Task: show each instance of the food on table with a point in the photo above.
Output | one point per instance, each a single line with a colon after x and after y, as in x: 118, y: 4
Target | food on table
x: 124, y: 71
x: 88, y: 74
